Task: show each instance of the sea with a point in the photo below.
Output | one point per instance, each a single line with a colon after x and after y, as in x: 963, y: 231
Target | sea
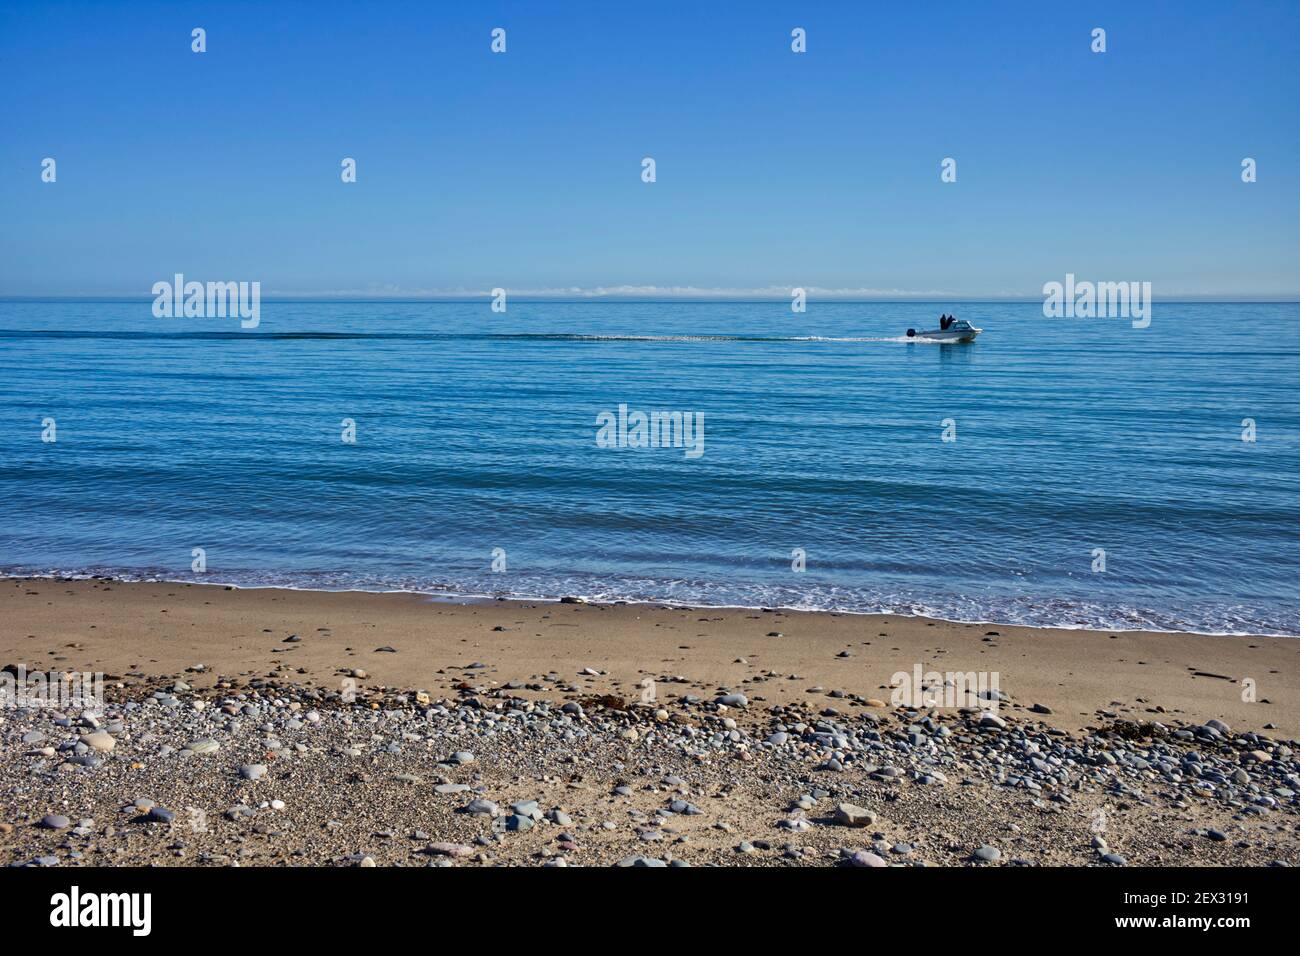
x: 1065, y: 472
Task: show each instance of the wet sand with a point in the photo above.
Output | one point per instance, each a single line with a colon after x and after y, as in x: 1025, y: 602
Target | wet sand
x: 1080, y: 675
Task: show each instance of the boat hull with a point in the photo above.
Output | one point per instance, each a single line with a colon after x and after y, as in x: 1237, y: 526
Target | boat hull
x: 946, y: 335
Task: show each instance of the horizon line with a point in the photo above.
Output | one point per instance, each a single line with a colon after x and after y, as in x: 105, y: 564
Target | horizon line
x: 1184, y: 298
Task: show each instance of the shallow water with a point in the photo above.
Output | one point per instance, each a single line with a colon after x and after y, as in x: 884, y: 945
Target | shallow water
x: 477, y: 430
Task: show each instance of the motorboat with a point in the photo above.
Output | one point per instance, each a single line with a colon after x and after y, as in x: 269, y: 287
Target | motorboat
x: 954, y: 330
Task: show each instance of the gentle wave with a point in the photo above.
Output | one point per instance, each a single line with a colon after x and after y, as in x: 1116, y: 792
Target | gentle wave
x: 1216, y: 620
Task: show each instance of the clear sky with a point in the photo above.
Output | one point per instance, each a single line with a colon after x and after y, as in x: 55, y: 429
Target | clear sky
x: 774, y: 169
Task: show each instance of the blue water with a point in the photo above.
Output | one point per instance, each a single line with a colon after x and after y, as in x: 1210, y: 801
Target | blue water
x: 476, y: 431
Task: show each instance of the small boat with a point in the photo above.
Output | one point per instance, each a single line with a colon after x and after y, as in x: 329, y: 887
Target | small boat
x: 957, y: 330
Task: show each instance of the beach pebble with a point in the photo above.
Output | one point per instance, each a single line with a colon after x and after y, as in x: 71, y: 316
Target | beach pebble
x: 55, y: 821
x: 527, y: 808
x: 851, y: 815
x: 866, y: 858
x: 252, y: 771
x: 449, y: 849
x: 99, y: 740
x: 988, y: 854
x: 204, y: 745
x: 481, y: 807
x: 733, y: 700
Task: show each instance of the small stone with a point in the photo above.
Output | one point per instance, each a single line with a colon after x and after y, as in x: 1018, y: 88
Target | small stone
x: 449, y: 849
x: 988, y: 854
x: 55, y: 821
x: 253, y: 771
x: 100, y: 741
x: 204, y: 745
x: 866, y: 858
x: 852, y: 815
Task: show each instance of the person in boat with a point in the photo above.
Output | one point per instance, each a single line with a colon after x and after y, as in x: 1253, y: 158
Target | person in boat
x: 944, y: 322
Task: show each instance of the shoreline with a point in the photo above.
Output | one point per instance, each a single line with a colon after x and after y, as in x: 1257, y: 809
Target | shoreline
x: 1060, y: 663
x: 471, y: 598
x: 331, y: 728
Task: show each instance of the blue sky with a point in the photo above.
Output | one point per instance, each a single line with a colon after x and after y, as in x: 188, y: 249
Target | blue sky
x: 774, y: 169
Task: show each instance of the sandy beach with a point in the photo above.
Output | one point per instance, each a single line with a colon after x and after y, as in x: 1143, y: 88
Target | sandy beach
x: 1085, y: 677
x: 272, y: 726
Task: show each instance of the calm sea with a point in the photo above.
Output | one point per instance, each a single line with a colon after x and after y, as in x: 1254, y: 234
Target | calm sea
x: 823, y: 436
